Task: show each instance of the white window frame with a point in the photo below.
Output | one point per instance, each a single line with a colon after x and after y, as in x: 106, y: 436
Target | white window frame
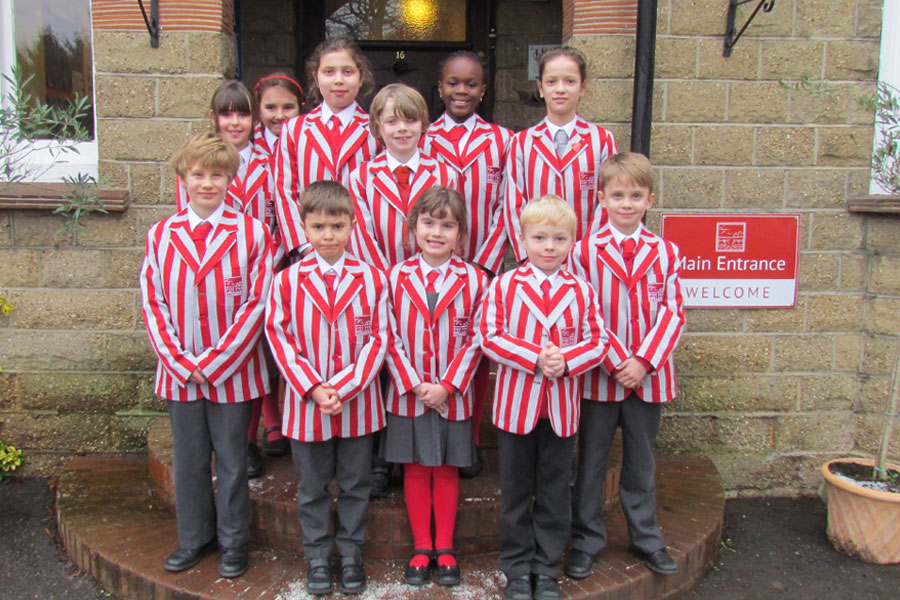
x: 49, y: 164
x: 888, y: 66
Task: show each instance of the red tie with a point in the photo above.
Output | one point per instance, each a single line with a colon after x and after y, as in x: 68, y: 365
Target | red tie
x: 199, y: 235
x: 543, y: 410
x: 432, y: 278
x: 628, y: 254
x: 329, y: 284
x: 456, y: 134
x: 545, y: 290
x: 402, y: 174
x: 334, y: 131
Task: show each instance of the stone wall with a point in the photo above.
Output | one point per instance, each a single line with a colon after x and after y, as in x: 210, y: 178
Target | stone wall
x: 777, y: 127
x: 769, y: 394
x: 77, y: 365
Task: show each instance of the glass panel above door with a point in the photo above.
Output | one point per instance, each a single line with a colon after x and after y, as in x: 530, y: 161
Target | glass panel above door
x: 397, y: 20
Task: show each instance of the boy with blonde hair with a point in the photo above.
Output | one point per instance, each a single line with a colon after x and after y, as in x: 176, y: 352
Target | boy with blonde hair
x: 542, y: 326
x: 204, y: 282
x: 635, y: 275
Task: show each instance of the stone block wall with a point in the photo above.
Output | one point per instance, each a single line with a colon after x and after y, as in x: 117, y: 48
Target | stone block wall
x: 777, y: 127
x: 77, y: 365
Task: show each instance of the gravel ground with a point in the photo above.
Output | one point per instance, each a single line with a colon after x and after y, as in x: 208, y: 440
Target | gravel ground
x: 772, y: 548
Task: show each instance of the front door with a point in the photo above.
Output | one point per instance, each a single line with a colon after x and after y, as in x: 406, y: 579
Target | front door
x: 404, y: 39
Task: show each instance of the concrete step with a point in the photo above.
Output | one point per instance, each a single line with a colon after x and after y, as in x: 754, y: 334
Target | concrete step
x: 274, y: 521
x: 115, y: 528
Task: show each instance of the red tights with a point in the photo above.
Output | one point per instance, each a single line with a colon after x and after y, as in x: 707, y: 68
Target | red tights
x: 268, y: 406
x: 420, y: 497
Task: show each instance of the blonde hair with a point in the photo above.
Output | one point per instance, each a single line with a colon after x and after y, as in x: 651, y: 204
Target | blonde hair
x: 552, y: 209
x: 328, y: 197
x: 633, y: 165
x: 207, y: 151
x: 409, y: 105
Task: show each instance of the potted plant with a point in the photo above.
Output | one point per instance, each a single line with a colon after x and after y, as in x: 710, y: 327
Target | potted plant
x: 863, y: 494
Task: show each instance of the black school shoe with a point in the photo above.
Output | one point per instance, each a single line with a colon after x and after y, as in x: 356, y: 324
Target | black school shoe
x: 183, y: 559
x: 254, y: 461
x: 417, y: 575
x: 518, y: 588
x: 447, y: 575
x: 318, y: 577
x: 381, y: 481
x: 579, y: 564
x: 234, y: 562
x: 657, y: 561
x: 546, y: 588
x: 353, y: 576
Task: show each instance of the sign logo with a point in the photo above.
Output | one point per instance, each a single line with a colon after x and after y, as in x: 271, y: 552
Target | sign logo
x: 731, y: 237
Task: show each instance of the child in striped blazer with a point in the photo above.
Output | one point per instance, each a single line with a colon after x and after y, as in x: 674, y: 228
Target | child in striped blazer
x: 635, y: 275
x: 435, y: 303
x: 327, y: 326
x: 204, y: 282
x: 542, y: 326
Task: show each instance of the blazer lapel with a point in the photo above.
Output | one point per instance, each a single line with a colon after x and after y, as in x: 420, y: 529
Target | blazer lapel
x: 422, y: 180
x: 352, y: 138
x: 385, y: 183
x: 414, y: 288
x: 450, y: 289
x: 579, y: 143
x: 313, y: 285
x: 320, y: 134
x: 180, y: 233
x: 531, y: 294
x: 610, y: 255
x: 561, y: 297
x: 224, y: 237
x: 545, y: 147
x: 646, y: 253
x: 349, y: 285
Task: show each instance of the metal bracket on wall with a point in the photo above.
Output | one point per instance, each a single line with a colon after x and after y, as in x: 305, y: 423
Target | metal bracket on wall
x: 153, y: 22
x: 730, y: 38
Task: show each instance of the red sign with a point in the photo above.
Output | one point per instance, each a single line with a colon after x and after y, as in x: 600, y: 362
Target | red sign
x: 736, y: 260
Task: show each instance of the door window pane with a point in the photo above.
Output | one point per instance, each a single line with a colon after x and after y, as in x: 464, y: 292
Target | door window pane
x: 397, y: 20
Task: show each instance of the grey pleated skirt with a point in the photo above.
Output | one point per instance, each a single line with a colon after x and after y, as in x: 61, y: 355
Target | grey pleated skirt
x: 429, y: 440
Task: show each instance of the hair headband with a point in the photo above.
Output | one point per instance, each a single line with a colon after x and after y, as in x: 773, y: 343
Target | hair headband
x: 267, y: 77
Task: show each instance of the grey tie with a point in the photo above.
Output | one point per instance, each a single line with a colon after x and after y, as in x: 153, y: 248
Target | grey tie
x: 562, y: 140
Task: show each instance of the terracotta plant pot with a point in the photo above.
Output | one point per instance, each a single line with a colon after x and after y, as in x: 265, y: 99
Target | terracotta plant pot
x: 862, y: 523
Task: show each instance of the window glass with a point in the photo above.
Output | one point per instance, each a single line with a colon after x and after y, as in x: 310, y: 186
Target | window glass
x: 397, y: 20
x: 53, y: 44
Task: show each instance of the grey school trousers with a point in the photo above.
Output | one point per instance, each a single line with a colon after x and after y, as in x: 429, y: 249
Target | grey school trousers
x: 201, y: 429
x: 637, y: 487
x: 347, y: 461
x: 534, y: 500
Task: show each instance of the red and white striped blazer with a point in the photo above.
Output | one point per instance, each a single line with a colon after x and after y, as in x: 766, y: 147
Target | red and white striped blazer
x: 442, y: 348
x: 345, y: 347
x: 515, y: 327
x: 479, y: 171
x: 644, y: 313
x: 259, y: 188
x: 208, y: 313
x: 380, y: 237
x: 533, y: 169
x: 305, y: 156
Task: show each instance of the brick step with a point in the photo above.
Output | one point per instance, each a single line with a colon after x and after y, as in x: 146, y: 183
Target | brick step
x: 114, y: 528
x: 273, y: 496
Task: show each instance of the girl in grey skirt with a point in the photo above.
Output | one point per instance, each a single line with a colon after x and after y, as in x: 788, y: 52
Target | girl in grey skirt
x: 435, y: 306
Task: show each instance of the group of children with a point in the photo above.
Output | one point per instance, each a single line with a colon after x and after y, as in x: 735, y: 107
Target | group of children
x: 367, y: 251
